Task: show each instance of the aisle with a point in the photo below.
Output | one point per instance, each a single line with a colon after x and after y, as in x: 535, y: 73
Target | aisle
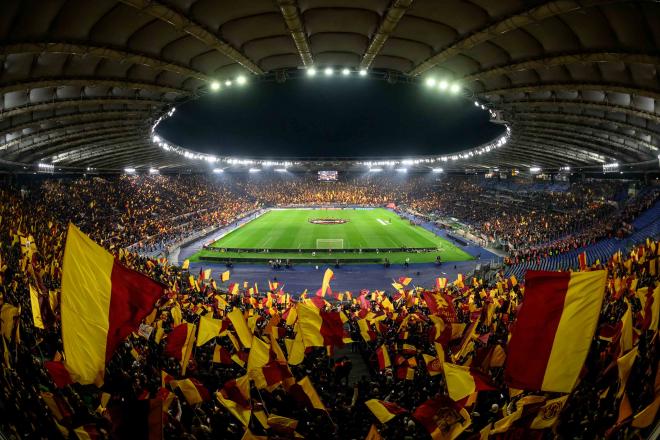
x: 359, y: 366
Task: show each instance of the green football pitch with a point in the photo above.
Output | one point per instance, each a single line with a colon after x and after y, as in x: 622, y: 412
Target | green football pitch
x: 365, y: 235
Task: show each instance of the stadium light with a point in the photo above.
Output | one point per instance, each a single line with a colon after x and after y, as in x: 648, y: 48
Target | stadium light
x: 430, y: 82
x: 363, y: 72
x: 280, y: 170
x: 215, y: 86
x: 402, y: 170
x: 241, y: 80
x: 476, y: 103
x: 254, y: 170
x: 345, y: 71
x: 218, y: 170
x: 534, y: 169
x: 228, y: 83
x: 329, y: 71
x: 375, y: 170
x: 437, y: 170
x: 311, y: 71
x: 129, y: 170
x: 455, y: 88
x: 442, y: 85
x: 153, y: 171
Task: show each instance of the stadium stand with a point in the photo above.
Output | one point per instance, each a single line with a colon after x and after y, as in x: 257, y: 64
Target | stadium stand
x: 528, y: 309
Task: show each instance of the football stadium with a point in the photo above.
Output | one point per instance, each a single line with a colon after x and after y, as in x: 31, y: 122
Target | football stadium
x: 329, y: 219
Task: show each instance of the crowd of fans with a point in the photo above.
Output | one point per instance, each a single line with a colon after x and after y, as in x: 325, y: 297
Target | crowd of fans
x: 36, y: 402
x: 150, y: 213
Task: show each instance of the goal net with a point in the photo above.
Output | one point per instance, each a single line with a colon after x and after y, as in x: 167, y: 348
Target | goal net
x: 329, y: 243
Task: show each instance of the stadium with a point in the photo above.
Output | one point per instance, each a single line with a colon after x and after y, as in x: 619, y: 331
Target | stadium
x: 329, y: 219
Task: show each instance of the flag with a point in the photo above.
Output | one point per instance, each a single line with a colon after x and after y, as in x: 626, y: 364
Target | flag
x: 647, y: 416
x: 193, y: 391
x: 405, y: 280
x: 242, y: 413
x: 180, y: 344
x: 329, y: 274
x: 209, y: 328
x: 582, y: 260
x: 384, y: 411
x: 383, y: 357
x: 36, y: 311
x: 440, y: 283
x: 373, y: 434
x: 138, y: 419
x: 58, y: 373
x: 242, y: 330
x: 224, y: 276
x: 552, y: 335
x: 462, y: 381
x: 433, y: 364
x: 185, y: 265
x: 442, y: 418
x: 320, y: 328
x: 102, y: 303
x: 514, y: 280
x: 306, y: 392
x: 549, y: 413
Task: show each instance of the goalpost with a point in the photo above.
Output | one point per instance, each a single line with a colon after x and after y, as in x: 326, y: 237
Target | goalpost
x: 329, y: 243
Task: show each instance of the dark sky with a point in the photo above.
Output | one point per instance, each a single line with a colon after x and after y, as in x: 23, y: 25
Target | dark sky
x: 328, y: 117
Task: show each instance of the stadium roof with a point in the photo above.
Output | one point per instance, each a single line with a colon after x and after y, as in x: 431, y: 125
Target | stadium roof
x: 83, y: 82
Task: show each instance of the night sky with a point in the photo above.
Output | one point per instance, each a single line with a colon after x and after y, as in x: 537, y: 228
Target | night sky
x: 328, y: 117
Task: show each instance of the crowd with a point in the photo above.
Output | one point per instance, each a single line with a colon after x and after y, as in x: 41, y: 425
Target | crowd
x: 149, y: 213
x: 258, y: 373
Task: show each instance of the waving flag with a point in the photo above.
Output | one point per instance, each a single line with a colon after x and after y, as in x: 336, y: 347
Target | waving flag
x: 102, y: 303
x: 384, y: 411
x: 553, y: 332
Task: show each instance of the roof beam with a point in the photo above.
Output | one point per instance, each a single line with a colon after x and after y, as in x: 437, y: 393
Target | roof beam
x: 186, y: 25
x: 508, y: 24
x: 534, y: 115
x: 563, y: 60
x: 395, y: 12
x: 599, y: 145
x: 102, y: 150
x: 72, y: 128
x: 550, y: 151
x: 582, y: 105
x: 73, y: 117
x: 91, y: 82
x: 66, y: 143
x: 102, y: 52
x: 61, y: 103
x: 572, y: 87
x: 609, y: 135
x: 294, y: 23
x: 561, y: 142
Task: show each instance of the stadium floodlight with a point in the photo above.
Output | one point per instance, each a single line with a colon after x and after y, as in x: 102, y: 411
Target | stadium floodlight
x: 437, y: 170
x: 218, y: 170
x: 153, y: 171
x: 329, y: 71
x: 534, y: 169
x: 476, y: 103
x: 241, y: 80
x: 363, y: 72
x: 280, y: 170
x: 442, y: 85
x: 156, y: 138
x: 228, y: 83
x: 375, y: 170
x: 430, y: 82
x: 566, y: 168
x: 402, y: 170
x: 254, y: 170
x: 129, y: 170
x: 345, y: 71
x: 215, y: 86
x: 311, y: 71
x: 455, y: 88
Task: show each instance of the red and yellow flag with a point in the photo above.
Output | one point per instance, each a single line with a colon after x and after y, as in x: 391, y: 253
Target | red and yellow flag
x: 383, y: 357
x: 384, y: 411
x: 102, y: 303
x: 553, y: 332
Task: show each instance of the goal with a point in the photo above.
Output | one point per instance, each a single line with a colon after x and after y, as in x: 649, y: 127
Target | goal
x: 329, y: 243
